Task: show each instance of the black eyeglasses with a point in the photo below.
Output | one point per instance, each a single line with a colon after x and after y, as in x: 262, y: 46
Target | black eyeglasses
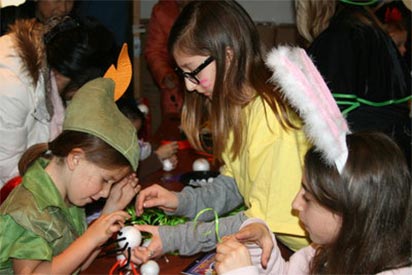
x: 191, y: 76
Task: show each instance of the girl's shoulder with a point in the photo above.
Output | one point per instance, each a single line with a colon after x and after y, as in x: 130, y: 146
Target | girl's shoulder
x: 28, y: 47
x: 10, y: 59
x: 259, y: 107
x: 258, y: 111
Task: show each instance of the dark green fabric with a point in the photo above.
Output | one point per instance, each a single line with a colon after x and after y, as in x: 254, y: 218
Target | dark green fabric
x: 35, y: 222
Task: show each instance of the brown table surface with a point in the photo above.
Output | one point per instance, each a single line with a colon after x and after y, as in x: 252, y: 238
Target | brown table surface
x: 169, y: 264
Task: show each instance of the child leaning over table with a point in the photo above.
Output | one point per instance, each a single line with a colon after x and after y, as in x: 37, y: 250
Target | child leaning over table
x: 42, y: 222
x: 359, y: 220
x: 150, y: 160
x: 254, y: 132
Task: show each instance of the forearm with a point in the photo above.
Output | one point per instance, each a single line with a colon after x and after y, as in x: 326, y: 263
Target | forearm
x: 191, y: 238
x: 90, y: 260
x: 276, y: 264
x: 222, y: 195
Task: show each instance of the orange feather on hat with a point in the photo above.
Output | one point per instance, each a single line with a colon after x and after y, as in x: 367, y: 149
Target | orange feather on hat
x: 122, y: 75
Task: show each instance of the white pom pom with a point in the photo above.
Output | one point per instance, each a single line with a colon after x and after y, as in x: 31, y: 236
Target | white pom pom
x: 150, y: 268
x: 143, y: 108
x: 201, y: 164
x: 167, y: 165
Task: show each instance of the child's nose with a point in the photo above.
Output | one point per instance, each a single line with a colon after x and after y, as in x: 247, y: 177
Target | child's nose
x: 297, y: 201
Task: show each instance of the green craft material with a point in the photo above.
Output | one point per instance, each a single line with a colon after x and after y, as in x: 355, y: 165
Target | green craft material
x: 359, y: 3
x: 231, y: 213
x: 354, y: 102
x: 153, y: 216
x: 216, y: 222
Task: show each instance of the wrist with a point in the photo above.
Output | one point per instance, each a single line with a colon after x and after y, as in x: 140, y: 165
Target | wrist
x: 109, y: 208
x: 88, y: 242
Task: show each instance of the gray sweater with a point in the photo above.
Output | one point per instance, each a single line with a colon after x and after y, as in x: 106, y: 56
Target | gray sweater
x: 190, y: 238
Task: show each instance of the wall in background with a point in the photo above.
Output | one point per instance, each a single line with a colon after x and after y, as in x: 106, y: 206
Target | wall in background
x: 277, y: 11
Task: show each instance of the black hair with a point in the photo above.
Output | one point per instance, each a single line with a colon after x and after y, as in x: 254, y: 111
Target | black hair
x: 373, y: 197
x: 129, y: 108
x: 81, y: 49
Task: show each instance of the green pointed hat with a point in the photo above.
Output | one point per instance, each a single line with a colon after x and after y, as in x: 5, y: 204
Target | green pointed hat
x: 93, y: 110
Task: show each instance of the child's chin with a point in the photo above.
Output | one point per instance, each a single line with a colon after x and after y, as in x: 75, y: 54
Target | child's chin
x: 84, y: 202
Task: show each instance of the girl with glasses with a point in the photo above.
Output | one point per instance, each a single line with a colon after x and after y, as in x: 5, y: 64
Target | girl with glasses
x: 255, y: 134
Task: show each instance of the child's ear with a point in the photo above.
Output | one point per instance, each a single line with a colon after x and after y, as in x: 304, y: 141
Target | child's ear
x: 74, y: 157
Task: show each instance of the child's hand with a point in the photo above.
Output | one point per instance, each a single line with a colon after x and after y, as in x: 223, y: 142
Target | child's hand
x: 154, y: 249
x: 230, y: 255
x: 259, y: 234
x: 105, y: 226
x: 156, y: 196
x: 121, y: 194
x: 167, y: 150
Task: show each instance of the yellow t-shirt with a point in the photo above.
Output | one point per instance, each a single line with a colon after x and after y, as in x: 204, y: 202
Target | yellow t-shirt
x: 268, y: 171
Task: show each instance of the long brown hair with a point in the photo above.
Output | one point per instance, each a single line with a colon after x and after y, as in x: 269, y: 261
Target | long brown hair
x: 96, y: 151
x: 314, y: 16
x: 373, y: 197
x: 199, y: 31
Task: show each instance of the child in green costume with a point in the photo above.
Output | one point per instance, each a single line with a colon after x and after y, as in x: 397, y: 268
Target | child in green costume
x: 42, y: 223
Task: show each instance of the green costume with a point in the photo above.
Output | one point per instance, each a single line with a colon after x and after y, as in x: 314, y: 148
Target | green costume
x: 35, y: 222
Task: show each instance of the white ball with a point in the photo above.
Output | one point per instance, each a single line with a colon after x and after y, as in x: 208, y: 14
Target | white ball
x: 150, y: 268
x: 167, y: 165
x: 120, y: 257
x: 143, y: 108
x: 201, y: 165
x: 133, y: 237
